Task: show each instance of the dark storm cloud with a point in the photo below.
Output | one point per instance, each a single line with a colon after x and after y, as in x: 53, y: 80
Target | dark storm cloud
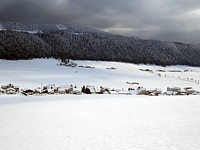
x: 172, y: 20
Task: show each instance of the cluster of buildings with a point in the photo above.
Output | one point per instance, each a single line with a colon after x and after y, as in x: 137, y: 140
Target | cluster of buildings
x: 52, y: 89
x: 170, y: 91
x: 179, y: 91
x: 9, y: 89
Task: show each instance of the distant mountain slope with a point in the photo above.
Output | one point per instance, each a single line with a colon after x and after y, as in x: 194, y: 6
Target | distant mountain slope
x: 27, y: 41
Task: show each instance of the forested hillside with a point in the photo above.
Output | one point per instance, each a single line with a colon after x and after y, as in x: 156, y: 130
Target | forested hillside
x: 26, y: 41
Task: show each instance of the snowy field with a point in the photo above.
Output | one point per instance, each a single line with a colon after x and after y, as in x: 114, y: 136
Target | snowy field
x: 98, y: 122
x: 31, y: 73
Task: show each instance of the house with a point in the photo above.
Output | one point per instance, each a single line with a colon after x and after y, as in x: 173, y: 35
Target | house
x: 156, y: 92
x: 10, y: 88
x: 132, y: 83
x: 65, y: 89
x: 51, y: 89
x: 27, y: 92
x: 196, y: 93
x: 76, y: 91
x: 145, y: 92
x: 68, y: 63
x: 88, y: 89
x: 5, y: 87
x: 112, y: 68
x: 175, y: 91
x: 182, y: 92
x: 148, y: 70
x: 150, y: 92
x: 38, y: 91
x: 102, y: 90
x: 136, y: 90
x: 189, y: 90
x: 11, y: 91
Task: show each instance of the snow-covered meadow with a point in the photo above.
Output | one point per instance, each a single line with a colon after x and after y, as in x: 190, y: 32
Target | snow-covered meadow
x: 98, y: 122
x: 31, y: 73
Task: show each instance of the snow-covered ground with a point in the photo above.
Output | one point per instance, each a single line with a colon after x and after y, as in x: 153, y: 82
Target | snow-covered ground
x: 31, y: 73
x: 98, y: 122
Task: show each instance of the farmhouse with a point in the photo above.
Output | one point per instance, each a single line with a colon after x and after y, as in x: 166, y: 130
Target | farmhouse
x: 175, y: 91
x: 112, y: 68
x: 132, y: 83
x: 189, y: 90
x: 145, y: 92
x: 27, y: 92
x: 103, y: 90
x: 10, y: 89
x: 65, y: 89
x: 51, y: 89
x: 68, y: 63
x: 150, y: 92
x: 76, y: 91
x: 88, y: 89
x: 38, y: 91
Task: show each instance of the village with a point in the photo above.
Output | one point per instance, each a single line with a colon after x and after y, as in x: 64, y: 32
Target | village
x: 52, y: 89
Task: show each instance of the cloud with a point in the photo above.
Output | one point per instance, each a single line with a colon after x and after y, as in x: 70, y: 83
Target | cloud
x: 158, y: 19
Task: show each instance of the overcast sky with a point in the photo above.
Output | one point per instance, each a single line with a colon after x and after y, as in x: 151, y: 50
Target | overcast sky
x: 171, y: 20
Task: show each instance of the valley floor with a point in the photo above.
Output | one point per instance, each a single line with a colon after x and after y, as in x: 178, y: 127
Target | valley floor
x: 98, y: 122
x: 31, y: 73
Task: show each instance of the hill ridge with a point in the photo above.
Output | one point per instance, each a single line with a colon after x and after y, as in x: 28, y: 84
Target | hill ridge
x: 28, y: 41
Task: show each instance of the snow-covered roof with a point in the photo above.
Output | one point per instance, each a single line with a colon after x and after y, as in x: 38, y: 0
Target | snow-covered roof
x: 10, y: 89
x: 50, y: 90
x: 64, y: 87
x: 2, y: 90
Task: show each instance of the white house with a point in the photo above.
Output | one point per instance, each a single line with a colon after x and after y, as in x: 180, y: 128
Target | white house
x: 63, y: 89
x: 10, y: 88
x: 11, y: 91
